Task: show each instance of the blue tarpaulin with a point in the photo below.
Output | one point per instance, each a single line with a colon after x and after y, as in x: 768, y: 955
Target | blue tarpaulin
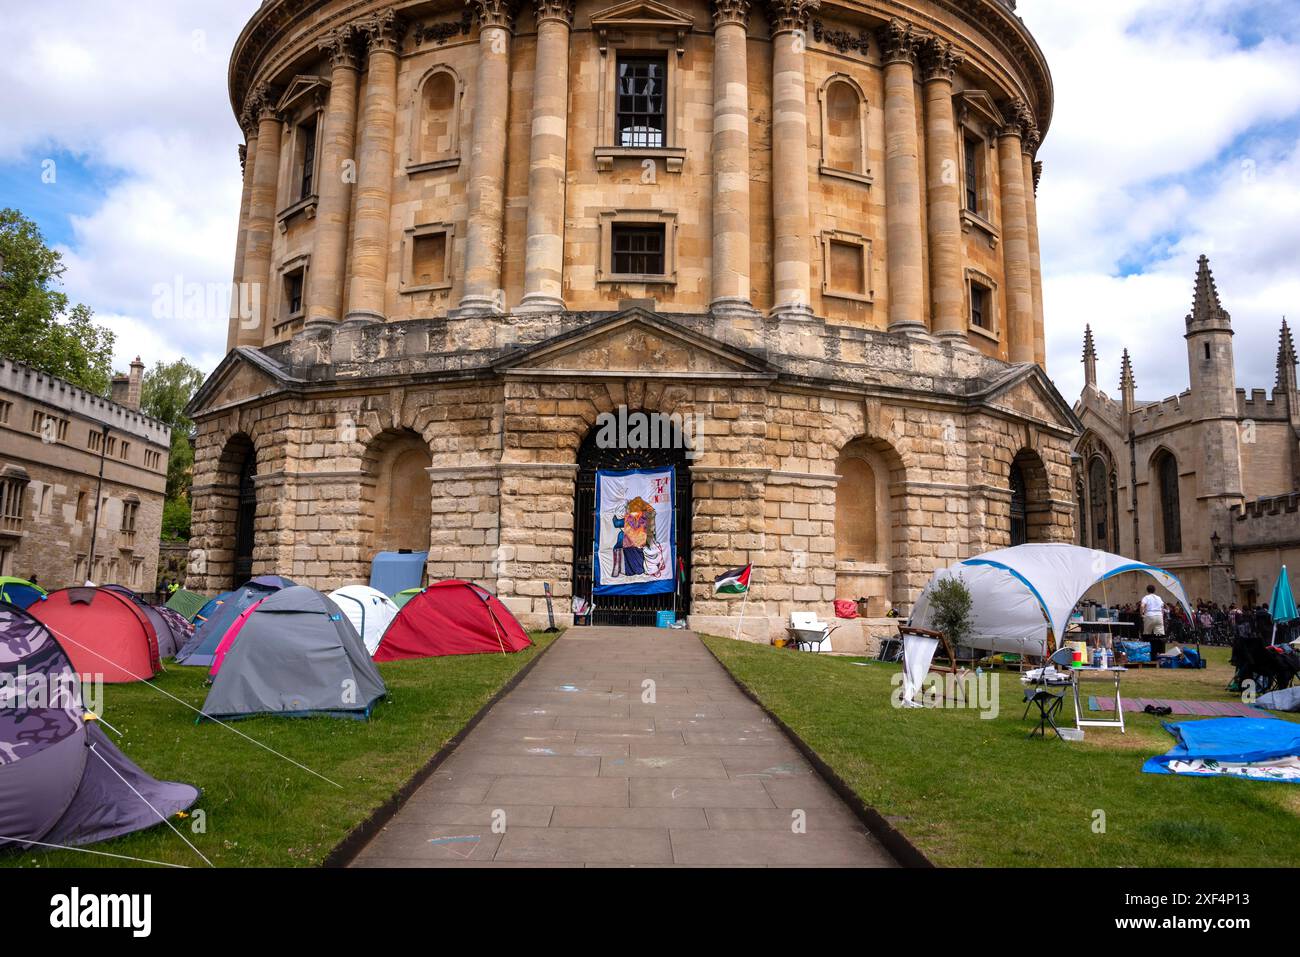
x: 393, y: 572
x: 1217, y: 746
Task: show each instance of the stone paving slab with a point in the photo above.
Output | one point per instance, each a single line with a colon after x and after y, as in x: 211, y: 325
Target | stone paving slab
x: 575, y: 767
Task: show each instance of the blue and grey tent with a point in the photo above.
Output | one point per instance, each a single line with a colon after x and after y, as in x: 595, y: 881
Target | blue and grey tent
x: 209, y: 631
x: 62, y: 781
x: 295, y: 655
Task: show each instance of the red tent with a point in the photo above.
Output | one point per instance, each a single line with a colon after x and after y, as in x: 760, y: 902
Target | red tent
x: 103, y: 631
x: 451, y: 618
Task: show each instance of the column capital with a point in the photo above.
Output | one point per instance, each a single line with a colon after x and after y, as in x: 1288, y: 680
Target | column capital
x: 939, y: 59
x: 1020, y: 123
x: 260, y: 106
x: 243, y: 158
x: 898, y: 42
x: 786, y: 16
x: 730, y: 11
x: 561, y: 10
x: 340, y: 45
x: 383, y: 31
x: 494, y: 13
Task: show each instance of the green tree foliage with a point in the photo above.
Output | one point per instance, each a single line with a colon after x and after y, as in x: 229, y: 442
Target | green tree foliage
x: 951, y: 600
x: 176, y: 520
x: 37, y: 325
x: 165, y: 390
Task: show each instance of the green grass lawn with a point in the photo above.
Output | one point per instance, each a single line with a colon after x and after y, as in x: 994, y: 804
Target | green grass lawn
x: 974, y: 792
x: 261, y: 810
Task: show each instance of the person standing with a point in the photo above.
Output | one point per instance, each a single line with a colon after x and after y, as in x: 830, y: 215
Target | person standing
x: 1153, y: 613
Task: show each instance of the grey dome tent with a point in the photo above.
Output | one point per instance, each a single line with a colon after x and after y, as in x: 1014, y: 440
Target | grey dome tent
x: 202, y: 646
x: 62, y: 781
x: 295, y: 655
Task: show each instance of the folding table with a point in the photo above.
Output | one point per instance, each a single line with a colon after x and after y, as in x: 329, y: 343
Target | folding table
x: 1098, y: 674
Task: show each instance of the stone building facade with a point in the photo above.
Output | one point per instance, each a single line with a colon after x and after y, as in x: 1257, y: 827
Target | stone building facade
x: 56, y: 441
x: 1204, y: 483
x: 467, y: 233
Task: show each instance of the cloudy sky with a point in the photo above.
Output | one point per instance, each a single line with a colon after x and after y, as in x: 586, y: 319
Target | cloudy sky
x: 1176, y: 132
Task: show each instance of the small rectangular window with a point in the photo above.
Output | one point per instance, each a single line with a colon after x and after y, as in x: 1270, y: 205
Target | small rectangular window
x: 642, y: 114
x: 429, y: 259
x: 638, y: 250
x: 5, y: 407
x: 981, y: 313
x: 293, y: 283
x: 847, y: 268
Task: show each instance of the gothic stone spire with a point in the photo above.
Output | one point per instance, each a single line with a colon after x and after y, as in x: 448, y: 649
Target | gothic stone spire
x: 1207, y: 312
x: 1089, y: 358
x: 1286, y: 359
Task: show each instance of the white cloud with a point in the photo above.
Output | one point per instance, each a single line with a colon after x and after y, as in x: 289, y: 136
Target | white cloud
x: 1160, y: 150
x: 137, y: 93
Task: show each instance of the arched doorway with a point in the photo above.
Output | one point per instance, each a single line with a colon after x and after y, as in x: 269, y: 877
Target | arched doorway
x: 869, y: 472
x: 637, y: 449
x: 398, y: 463
x: 1019, y: 506
x: 239, y: 467
x: 1030, y: 499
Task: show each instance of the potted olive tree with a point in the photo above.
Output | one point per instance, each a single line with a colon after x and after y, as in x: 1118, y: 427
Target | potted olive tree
x: 951, y: 601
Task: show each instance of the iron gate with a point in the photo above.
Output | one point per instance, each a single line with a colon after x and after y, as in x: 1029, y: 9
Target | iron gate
x: 245, y: 521
x: 626, y: 609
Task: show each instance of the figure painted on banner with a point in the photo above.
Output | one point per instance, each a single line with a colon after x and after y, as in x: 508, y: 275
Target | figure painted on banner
x: 635, y: 521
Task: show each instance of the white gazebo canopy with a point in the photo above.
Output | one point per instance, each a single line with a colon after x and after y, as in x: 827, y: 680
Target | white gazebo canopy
x: 1021, y: 594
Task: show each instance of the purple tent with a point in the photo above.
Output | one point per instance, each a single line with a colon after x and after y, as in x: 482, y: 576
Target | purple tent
x: 172, y: 628
x: 62, y: 782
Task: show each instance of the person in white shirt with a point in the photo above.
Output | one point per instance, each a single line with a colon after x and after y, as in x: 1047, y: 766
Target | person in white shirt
x: 1153, y: 613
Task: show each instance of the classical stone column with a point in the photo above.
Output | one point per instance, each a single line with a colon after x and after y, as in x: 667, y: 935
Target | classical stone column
x: 1030, y: 147
x: 334, y: 205
x: 791, y: 218
x: 544, y: 252
x: 261, y: 217
x: 239, y: 302
x: 898, y: 44
x: 482, y: 293
x: 367, y: 295
x: 939, y: 60
x: 731, y: 293
x: 1015, y: 236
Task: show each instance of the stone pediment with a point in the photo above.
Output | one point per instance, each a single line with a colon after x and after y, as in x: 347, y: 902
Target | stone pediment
x: 303, y: 85
x: 245, y: 374
x: 639, y: 343
x: 979, y: 108
x: 639, y: 15
x: 1027, y: 393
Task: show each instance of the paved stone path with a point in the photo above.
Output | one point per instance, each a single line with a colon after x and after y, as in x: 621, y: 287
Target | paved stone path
x: 581, y: 771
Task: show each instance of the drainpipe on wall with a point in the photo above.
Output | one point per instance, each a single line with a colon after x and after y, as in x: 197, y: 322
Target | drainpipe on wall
x: 1133, y: 495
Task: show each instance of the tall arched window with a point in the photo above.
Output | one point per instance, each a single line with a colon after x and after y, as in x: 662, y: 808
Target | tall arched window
x: 1170, y: 520
x: 1019, y: 506
x: 437, y: 118
x: 1099, y: 503
x: 844, y: 128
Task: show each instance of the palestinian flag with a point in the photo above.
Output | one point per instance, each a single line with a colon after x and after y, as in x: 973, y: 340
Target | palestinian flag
x: 733, y: 582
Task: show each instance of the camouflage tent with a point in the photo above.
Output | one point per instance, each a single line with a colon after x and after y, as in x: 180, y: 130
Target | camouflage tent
x: 62, y: 781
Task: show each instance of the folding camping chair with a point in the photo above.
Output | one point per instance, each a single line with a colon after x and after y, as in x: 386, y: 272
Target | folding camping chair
x: 1040, y: 694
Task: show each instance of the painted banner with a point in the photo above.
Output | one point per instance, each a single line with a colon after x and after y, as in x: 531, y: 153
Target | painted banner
x: 636, y: 544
